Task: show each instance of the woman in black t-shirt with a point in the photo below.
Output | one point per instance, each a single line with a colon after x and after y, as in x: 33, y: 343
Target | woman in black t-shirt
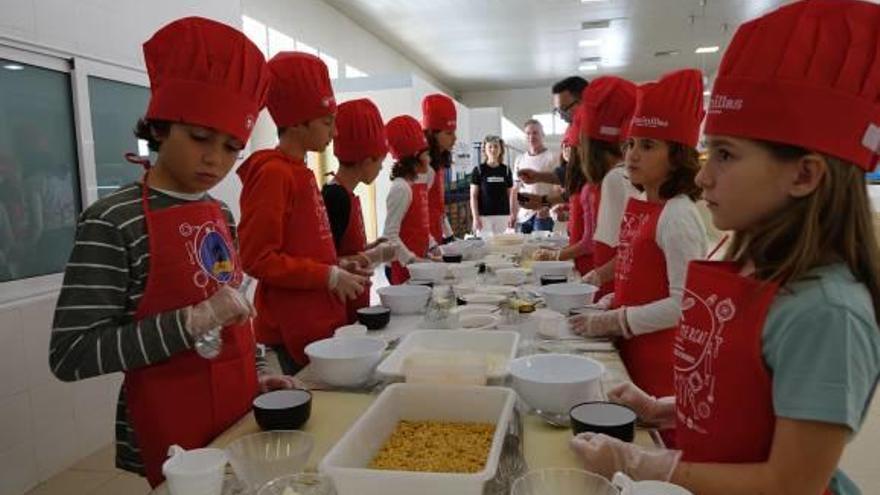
x: 491, y: 187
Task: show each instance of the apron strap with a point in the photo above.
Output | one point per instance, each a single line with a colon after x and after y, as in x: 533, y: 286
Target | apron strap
x: 138, y: 160
x: 718, y: 246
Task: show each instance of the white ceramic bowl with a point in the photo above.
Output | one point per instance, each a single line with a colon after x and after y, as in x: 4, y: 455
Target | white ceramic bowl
x: 541, y: 268
x: 435, y: 272
x: 564, y: 297
x: 355, y: 330
x: 511, y: 276
x: 345, y: 362
x: 405, y: 299
x: 479, y: 298
x: 554, y: 383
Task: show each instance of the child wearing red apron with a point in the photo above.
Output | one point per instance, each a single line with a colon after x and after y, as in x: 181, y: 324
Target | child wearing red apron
x: 660, y: 232
x: 407, y: 215
x: 439, y: 120
x: 155, y: 264
x: 606, y: 108
x: 360, y: 147
x: 286, y: 243
x: 777, y: 355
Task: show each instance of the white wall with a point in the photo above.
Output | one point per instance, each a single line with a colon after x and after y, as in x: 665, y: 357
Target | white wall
x: 47, y: 425
x: 518, y: 104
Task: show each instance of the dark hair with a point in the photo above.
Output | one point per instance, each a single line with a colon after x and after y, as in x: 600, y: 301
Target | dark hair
x: 601, y: 156
x: 574, y: 85
x: 280, y: 131
x: 574, y: 173
x: 147, y: 129
x: 685, y: 163
x: 405, y: 168
x: 439, y: 159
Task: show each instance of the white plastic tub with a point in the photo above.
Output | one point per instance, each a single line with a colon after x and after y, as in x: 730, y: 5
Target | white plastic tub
x: 494, y: 342
x: 347, y: 460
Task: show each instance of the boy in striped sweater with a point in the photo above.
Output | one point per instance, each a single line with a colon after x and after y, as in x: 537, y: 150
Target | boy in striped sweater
x: 155, y: 267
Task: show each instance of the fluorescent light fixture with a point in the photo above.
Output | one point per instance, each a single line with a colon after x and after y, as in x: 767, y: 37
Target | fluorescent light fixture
x: 707, y: 49
x: 590, y: 43
x: 591, y: 1
x: 13, y: 67
x: 707, y: 93
x: 588, y: 67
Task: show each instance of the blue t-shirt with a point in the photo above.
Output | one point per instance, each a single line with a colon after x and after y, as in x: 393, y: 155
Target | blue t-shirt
x: 822, y: 345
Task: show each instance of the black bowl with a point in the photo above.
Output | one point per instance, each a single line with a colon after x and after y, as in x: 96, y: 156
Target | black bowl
x: 609, y: 418
x: 553, y: 279
x: 452, y: 258
x: 283, y: 409
x: 481, y: 268
x: 420, y: 281
x: 374, y: 317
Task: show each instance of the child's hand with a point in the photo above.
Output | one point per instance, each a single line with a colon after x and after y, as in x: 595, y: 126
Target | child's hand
x: 269, y: 383
x: 359, y: 264
x: 226, y: 307
x: 348, y: 286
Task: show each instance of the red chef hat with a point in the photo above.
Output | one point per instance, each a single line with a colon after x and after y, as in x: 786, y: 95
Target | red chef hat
x: 360, y: 133
x: 300, y: 89
x: 807, y: 74
x: 670, y: 109
x: 438, y: 113
x: 206, y: 73
x: 606, y: 108
x: 405, y: 137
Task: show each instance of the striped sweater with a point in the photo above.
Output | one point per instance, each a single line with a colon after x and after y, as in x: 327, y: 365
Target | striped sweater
x: 94, y: 331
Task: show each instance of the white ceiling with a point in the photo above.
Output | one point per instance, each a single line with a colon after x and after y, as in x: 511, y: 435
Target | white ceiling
x: 475, y: 45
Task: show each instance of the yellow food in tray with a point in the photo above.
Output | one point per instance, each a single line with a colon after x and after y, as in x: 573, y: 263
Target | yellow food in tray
x: 436, y: 447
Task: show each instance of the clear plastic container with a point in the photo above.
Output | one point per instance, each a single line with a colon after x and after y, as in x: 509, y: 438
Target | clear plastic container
x: 446, y: 367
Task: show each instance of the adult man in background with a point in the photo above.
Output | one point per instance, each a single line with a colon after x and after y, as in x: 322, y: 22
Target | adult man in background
x: 567, y: 96
x: 540, y: 160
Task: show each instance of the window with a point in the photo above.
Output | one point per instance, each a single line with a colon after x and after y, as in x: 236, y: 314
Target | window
x: 256, y: 32
x: 332, y: 65
x: 279, y: 42
x: 39, y: 179
x: 354, y: 72
x: 553, y: 125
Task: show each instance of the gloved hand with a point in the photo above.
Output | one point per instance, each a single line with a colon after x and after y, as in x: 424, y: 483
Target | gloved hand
x: 226, y: 307
x: 359, y: 264
x: 606, y: 455
x: 383, y: 253
x: 375, y: 243
x: 659, y: 413
x: 592, y: 278
x: 347, y: 286
x: 610, y: 323
x: 270, y: 382
x: 603, y: 303
x: 544, y: 254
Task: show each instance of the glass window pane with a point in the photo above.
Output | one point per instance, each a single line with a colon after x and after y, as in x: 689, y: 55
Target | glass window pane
x: 279, y: 42
x: 256, y: 32
x: 39, y: 182
x: 116, y: 108
x: 559, y: 125
x: 354, y: 72
x: 546, y: 120
x: 332, y: 65
x: 302, y: 47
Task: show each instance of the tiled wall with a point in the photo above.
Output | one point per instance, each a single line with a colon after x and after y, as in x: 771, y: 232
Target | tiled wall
x: 45, y: 424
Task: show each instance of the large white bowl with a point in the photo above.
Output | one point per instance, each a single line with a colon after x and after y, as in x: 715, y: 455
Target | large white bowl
x: 541, y: 268
x: 435, y: 272
x: 404, y: 299
x: 554, y: 383
x: 511, y: 276
x: 345, y: 362
x: 565, y: 297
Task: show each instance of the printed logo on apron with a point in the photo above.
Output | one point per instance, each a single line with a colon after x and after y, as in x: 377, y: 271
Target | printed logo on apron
x: 696, y: 349
x: 630, y: 225
x: 210, y: 251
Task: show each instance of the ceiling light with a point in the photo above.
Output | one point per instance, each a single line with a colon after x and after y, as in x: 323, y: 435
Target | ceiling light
x: 707, y: 93
x: 13, y: 67
x: 707, y: 49
x: 588, y: 67
x: 591, y: 1
x: 590, y: 43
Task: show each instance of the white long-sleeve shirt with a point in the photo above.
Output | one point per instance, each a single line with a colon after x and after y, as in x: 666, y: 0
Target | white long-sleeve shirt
x: 616, y: 191
x: 682, y: 237
x: 397, y: 204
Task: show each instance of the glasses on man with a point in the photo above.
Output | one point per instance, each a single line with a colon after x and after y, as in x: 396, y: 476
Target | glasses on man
x: 564, y: 113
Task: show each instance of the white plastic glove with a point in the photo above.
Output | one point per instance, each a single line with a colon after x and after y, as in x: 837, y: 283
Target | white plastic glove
x: 592, y: 278
x: 659, y: 413
x: 610, y: 323
x: 226, y: 307
x: 546, y: 255
x: 382, y: 253
x: 346, y: 285
x: 606, y: 455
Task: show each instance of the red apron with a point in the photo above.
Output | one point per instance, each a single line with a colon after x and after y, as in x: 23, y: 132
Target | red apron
x: 301, y: 316
x: 354, y: 241
x: 437, y: 205
x: 576, y: 226
x: 602, y: 253
x: 639, y: 278
x: 414, y: 230
x: 189, y: 400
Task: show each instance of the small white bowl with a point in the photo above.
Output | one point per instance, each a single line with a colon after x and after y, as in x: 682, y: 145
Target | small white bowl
x: 345, y: 362
x: 554, y: 383
x: 565, y: 297
x: 405, y: 299
x: 355, y: 330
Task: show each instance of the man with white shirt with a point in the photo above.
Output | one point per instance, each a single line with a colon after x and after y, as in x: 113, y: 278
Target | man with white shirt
x: 539, y: 159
